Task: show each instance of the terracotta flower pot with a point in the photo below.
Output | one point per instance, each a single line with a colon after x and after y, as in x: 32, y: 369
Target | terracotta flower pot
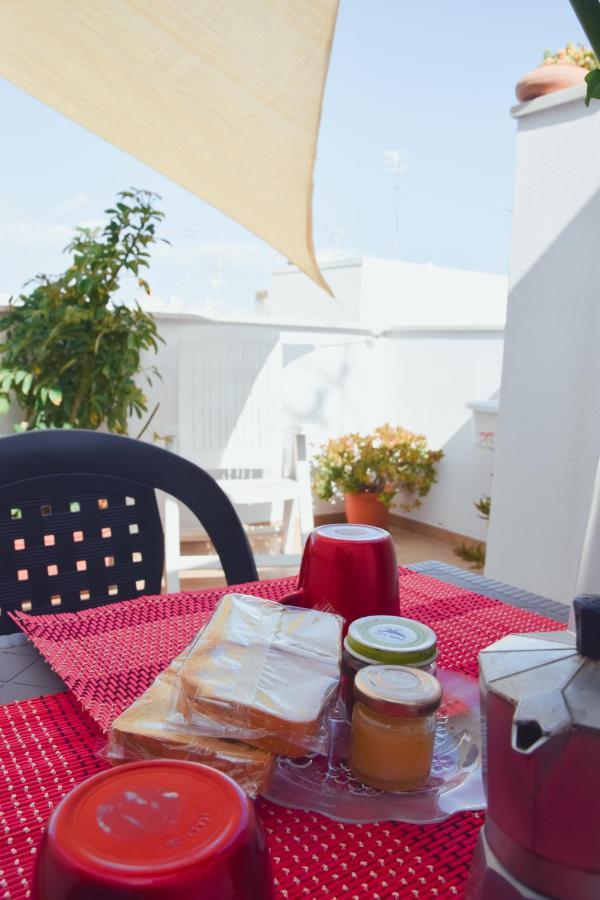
x: 547, y: 79
x: 366, y: 509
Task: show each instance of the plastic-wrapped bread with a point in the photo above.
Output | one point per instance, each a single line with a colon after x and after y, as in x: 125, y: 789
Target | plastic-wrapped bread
x: 264, y: 673
x: 143, y: 731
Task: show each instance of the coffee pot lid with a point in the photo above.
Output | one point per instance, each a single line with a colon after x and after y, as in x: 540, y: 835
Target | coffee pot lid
x: 553, y: 678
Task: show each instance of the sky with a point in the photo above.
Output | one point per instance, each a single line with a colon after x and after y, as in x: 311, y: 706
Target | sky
x: 433, y: 79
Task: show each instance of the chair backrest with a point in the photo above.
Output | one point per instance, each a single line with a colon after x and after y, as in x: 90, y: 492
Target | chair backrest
x: 79, y: 521
x: 231, y: 399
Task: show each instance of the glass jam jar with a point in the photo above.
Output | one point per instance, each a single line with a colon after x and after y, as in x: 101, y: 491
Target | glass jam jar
x: 393, y: 726
x: 394, y: 640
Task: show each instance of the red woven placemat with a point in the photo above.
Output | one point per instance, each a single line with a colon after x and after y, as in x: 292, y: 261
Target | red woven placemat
x: 109, y: 655
x: 49, y: 745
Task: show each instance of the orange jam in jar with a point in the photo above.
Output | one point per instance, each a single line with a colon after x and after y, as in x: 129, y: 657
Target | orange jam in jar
x: 393, y: 726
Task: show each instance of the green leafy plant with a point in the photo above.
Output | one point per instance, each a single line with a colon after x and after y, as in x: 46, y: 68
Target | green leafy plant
x: 484, y: 507
x: 386, y: 462
x: 70, y: 353
x: 588, y: 13
x: 473, y: 552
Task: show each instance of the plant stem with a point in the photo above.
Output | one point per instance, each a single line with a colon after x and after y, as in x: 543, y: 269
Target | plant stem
x: 148, y: 421
x: 136, y: 236
x: 78, y: 400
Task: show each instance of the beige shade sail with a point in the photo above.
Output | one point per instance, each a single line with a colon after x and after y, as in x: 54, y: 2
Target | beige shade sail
x: 222, y: 96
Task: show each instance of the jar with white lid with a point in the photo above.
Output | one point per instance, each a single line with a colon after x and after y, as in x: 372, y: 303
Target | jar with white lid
x: 393, y: 640
x: 393, y: 726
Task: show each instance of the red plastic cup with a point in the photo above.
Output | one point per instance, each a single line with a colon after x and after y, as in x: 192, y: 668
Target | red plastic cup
x: 157, y: 830
x: 349, y: 569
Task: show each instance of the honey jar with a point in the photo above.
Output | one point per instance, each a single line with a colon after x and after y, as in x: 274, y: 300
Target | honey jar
x: 394, y: 640
x: 393, y: 726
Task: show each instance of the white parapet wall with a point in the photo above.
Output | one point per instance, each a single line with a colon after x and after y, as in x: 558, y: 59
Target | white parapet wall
x: 376, y: 292
x: 549, y: 423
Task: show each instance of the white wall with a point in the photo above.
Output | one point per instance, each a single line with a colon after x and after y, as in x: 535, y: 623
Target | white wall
x: 395, y: 292
x: 549, y: 423
x: 293, y: 295
x: 430, y: 375
x: 383, y: 292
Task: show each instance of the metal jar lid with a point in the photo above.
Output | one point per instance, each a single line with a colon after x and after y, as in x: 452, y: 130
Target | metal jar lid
x: 391, y: 639
x: 398, y: 690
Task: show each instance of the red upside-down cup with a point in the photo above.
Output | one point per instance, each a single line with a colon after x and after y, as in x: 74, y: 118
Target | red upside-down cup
x: 154, y: 830
x: 348, y: 569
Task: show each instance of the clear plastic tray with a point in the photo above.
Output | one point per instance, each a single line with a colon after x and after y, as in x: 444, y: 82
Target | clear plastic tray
x: 325, y: 784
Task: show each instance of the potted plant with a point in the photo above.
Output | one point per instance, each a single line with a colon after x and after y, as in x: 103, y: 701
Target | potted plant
x: 70, y: 353
x: 368, y: 471
x: 565, y: 68
x: 473, y: 552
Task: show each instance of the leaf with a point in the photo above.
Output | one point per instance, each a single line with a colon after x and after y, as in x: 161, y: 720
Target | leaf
x: 4, y: 404
x: 593, y: 86
x: 55, y: 396
x: 68, y: 364
x: 27, y: 382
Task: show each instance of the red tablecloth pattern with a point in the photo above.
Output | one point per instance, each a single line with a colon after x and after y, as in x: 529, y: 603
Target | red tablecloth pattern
x: 47, y: 746
x: 109, y: 655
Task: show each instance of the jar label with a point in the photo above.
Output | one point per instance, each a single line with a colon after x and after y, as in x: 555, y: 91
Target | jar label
x: 394, y: 634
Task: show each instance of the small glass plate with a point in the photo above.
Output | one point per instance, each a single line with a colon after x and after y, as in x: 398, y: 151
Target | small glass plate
x: 325, y: 784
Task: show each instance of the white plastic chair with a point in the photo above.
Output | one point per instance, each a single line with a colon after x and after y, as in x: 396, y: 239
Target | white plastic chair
x: 231, y: 424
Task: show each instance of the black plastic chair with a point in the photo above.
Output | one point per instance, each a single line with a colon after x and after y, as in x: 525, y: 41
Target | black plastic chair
x: 80, y: 526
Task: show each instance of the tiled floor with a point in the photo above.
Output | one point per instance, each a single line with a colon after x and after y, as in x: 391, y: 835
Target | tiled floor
x: 24, y: 674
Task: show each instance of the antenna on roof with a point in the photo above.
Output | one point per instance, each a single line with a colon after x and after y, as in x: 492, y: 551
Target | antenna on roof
x: 395, y: 164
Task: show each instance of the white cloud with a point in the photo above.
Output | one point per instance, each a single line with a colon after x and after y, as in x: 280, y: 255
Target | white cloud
x: 32, y: 233
x: 89, y: 223
x: 59, y: 234
x: 28, y: 233
x: 72, y: 204
x: 229, y: 254
x: 333, y: 254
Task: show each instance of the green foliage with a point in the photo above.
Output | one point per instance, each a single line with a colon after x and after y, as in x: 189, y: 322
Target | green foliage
x: 473, y: 553
x: 70, y: 353
x: 384, y: 463
x: 593, y: 86
x: 484, y: 506
x: 588, y: 13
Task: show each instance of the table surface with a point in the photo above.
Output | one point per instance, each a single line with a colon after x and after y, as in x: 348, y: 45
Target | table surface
x: 24, y: 673
x: 52, y: 743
